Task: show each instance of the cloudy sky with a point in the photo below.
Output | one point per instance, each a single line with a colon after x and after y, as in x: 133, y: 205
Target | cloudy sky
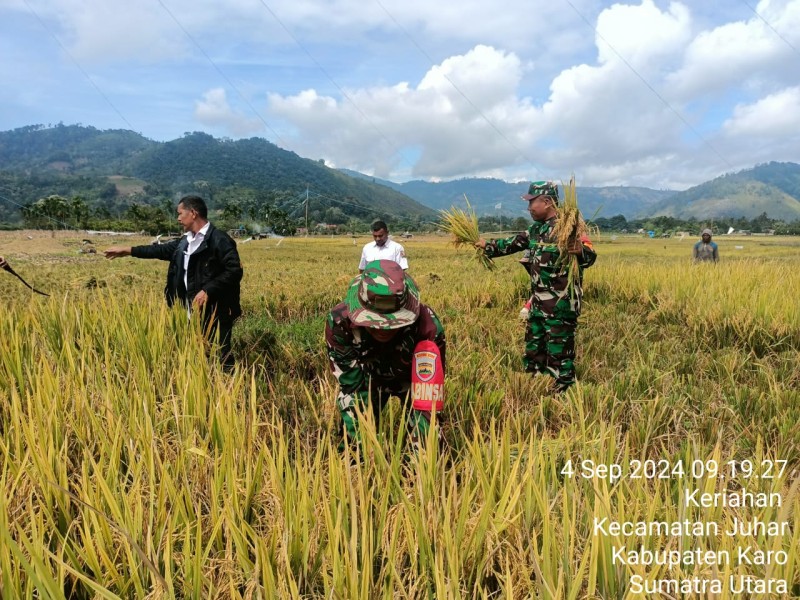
x: 654, y: 93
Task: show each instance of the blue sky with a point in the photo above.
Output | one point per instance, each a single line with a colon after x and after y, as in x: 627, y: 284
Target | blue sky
x: 653, y: 93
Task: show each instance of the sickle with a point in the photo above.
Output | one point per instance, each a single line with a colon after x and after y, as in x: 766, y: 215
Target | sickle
x: 7, y: 267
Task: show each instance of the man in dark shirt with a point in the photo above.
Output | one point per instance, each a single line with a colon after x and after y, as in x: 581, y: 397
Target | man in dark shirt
x: 204, y: 273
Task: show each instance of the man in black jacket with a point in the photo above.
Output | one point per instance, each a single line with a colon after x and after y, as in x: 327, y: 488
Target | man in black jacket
x: 204, y: 271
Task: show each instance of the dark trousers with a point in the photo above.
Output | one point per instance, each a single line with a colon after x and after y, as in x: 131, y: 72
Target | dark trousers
x: 223, y: 328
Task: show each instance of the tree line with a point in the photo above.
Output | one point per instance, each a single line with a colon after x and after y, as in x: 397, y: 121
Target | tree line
x: 281, y: 212
x: 670, y: 225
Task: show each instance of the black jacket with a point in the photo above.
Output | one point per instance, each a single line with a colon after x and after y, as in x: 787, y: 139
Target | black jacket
x: 214, y: 267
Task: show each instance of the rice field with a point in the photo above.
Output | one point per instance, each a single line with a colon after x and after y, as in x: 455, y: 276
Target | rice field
x: 131, y: 467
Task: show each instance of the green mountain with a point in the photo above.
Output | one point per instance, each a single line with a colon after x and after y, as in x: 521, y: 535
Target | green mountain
x: 72, y: 149
x: 772, y: 188
x: 114, y: 169
x: 486, y: 194
x: 39, y: 161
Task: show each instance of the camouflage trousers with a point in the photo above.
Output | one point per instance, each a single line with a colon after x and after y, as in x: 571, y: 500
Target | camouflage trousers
x: 418, y: 422
x: 550, y: 347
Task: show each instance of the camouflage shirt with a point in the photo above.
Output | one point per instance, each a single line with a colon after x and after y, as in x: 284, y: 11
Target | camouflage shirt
x: 357, y: 358
x: 549, y: 280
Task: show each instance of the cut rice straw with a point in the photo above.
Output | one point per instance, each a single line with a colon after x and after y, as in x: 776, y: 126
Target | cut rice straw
x: 569, y: 228
x: 463, y: 226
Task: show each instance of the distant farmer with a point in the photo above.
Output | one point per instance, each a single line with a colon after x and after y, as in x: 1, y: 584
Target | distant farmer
x: 705, y: 249
x: 204, y: 272
x: 371, y: 339
x: 553, y: 314
x: 382, y: 248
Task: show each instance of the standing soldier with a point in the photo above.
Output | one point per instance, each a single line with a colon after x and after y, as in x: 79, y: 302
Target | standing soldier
x: 554, y: 310
x: 371, y: 339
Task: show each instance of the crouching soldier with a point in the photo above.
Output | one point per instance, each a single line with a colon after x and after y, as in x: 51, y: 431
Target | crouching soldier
x: 372, y: 338
x: 553, y: 311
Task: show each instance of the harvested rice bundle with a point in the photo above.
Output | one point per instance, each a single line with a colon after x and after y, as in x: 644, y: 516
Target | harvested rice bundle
x: 463, y: 226
x: 569, y: 230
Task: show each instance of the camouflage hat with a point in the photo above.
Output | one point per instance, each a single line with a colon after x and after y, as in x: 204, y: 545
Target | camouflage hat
x: 542, y: 188
x: 383, y: 297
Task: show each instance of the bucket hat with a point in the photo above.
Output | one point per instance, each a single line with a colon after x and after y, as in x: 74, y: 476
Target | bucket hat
x: 383, y: 297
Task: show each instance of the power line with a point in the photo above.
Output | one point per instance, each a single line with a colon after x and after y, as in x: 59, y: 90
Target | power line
x: 222, y: 74
x: 316, y: 195
x: 768, y: 24
x: 650, y: 87
x: 65, y: 225
x: 519, y: 151
x: 78, y: 65
x: 395, y: 149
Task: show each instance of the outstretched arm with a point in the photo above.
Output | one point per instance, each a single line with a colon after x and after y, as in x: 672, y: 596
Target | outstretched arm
x: 117, y: 252
x: 503, y: 247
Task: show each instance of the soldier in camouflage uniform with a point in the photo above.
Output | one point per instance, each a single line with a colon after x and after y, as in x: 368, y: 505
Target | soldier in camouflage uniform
x: 553, y: 315
x: 371, y: 338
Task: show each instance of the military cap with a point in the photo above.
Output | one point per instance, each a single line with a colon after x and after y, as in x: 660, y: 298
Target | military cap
x: 542, y: 188
x: 383, y: 297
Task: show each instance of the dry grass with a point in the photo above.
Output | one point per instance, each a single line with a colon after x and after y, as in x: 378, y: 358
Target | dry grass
x: 569, y: 229
x: 463, y: 226
x: 130, y: 467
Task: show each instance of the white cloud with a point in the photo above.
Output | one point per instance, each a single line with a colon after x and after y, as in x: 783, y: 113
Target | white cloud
x: 468, y: 115
x: 642, y: 34
x: 102, y: 32
x: 433, y: 90
x: 748, y: 53
x: 451, y: 118
x: 772, y: 116
x: 213, y: 110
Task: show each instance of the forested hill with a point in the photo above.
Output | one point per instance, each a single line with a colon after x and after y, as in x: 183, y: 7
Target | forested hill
x: 71, y: 149
x: 80, y: 160
x: 494, y: 196
x: 113, y: 170
x: 772, y: 189
x: 258, y: 164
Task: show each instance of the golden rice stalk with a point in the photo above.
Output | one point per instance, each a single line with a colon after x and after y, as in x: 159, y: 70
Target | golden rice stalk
x: 568, y: 230
x: 463, y: 226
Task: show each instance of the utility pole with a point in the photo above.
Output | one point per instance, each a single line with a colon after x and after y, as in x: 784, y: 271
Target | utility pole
x: 306, y: 211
